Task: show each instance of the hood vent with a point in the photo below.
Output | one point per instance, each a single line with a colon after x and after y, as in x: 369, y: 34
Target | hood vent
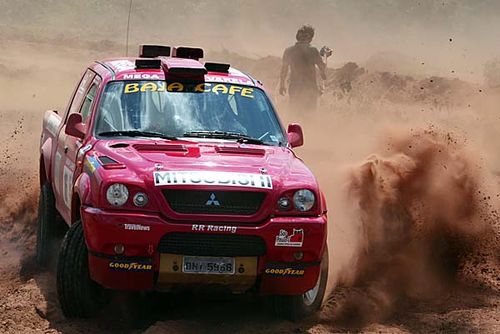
x: 109, y: 163
x: 239, y: 150
x: 107, y: 160
x: 160, y: 148
x: 119, y: 145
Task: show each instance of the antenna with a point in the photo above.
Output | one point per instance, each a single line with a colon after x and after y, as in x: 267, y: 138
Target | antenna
x: 128, y: 27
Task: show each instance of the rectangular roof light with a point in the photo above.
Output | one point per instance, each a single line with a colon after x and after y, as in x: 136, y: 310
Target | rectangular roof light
x: 217, y: 67
x: 187, y: 52
x: 147, y: 63
x: 153, y: 51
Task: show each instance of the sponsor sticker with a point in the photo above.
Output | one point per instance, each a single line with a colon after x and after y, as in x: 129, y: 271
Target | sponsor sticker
x: 91, y: 164
x: 57, y: 171
x: 130, y: 266
x: 284, y: 271
x: 67, y: 185
x: 141, y: 76
x: 122, y: 65
x: 283, y: 239
x: 205, y: 87
x: 136, y: 227
x: 188, y: 178
x: 233, y: 80
x: 214, y: 228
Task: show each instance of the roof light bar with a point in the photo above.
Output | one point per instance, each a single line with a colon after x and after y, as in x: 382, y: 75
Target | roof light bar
x: 187, y: 71
x: 217, y: 67
x: 147, y: 63
x: 187, y: 52
x: 153, y: 51
x: 183, y: 68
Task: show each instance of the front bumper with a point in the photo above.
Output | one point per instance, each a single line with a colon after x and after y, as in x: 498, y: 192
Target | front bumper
x: 143, y: 266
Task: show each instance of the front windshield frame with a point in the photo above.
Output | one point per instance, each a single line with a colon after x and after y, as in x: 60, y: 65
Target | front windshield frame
x: 283, y: 141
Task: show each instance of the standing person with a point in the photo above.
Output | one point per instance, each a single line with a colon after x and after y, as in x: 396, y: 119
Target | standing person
x: 302, y: 59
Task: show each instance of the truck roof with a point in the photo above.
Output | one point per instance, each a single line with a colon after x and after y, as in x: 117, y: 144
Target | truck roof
x: 160, y: 66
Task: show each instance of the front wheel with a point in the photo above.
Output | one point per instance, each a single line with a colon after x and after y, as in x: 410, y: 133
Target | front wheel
x: 298, y: 307
x: 78, y: 295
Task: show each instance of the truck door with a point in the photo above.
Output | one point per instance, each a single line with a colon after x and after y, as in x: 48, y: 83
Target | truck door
x: 68, y: 146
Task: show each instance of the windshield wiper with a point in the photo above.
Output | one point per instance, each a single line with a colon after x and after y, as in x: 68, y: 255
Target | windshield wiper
x: 136, y: 133
x: 240, y: 138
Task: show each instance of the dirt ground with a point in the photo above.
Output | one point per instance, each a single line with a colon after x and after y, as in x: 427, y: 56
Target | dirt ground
x: 398, y: 157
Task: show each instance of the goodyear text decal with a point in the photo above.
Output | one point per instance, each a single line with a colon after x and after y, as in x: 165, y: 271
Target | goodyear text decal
x: 206, y: 87
x: 285, y: 272
x: 130, y: 266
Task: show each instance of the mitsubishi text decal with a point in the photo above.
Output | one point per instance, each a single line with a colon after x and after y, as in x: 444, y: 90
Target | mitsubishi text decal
x: 187, y: 178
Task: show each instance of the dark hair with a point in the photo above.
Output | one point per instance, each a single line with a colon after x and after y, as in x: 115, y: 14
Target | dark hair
x: 305, y: 33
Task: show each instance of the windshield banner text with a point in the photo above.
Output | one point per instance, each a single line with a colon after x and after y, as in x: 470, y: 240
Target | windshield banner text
x: 205, y: 87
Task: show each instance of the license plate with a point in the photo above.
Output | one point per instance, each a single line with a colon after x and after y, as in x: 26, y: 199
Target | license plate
x: 207, y: 265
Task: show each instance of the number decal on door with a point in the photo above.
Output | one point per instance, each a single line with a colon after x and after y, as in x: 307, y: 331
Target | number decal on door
x: 57, y: 171
x: 67, y: 185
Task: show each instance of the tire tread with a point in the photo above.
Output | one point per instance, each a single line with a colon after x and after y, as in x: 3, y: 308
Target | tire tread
x: 293, y: 307
x: 46, y: 224
x: 74, y: 286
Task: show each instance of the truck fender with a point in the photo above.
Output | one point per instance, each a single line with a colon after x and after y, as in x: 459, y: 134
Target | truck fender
x: 51, y: 125
x: 81, y: 196
x: 45, y: 161
x: 82, y: 189
x: 324, y: 205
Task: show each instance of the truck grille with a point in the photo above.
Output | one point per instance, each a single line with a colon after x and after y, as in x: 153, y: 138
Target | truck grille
x: 212, y: 244
x: 214, y: 202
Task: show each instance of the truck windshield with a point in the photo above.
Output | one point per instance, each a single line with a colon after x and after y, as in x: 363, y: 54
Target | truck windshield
x: 174, y: 109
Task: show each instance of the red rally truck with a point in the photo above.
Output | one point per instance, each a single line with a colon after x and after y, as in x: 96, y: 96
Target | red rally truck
x: 173, y: 173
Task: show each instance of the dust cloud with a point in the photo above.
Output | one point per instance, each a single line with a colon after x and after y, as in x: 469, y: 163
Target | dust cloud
x: 421, y: 212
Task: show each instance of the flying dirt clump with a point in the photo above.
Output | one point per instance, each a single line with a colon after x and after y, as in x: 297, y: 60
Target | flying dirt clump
x: 424, y: 216
x: 19, y: 185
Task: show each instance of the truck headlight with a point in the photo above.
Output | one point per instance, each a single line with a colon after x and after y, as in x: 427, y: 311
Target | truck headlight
x: 117, y: 194
x: 303, y: 200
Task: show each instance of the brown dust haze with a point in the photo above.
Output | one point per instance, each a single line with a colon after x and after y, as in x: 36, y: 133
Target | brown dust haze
x: 404, y: 143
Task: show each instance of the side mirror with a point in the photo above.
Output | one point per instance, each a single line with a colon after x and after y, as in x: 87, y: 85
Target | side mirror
x: 74, y: 126
x: 295, y: 135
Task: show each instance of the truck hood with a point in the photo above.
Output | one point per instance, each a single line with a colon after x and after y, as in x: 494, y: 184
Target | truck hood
x: 142, y: 158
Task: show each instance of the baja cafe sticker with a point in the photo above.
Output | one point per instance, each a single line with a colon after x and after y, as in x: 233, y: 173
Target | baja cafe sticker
x: 283, y: 239
x: 205, y: 87
x: 189, y: 178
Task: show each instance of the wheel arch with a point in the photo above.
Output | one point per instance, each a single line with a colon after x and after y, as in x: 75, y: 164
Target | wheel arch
x: 43, y: 177
x: 75, y: 208
x: 45, y: 162
x: 81, y: 196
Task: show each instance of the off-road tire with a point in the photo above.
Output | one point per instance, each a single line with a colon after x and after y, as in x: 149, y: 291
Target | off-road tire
x: 294, y: 307
x: 46, y: 225
x: 79, y: 296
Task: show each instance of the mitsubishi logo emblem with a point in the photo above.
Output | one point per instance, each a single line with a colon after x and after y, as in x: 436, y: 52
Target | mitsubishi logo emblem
x: 212, y: 200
